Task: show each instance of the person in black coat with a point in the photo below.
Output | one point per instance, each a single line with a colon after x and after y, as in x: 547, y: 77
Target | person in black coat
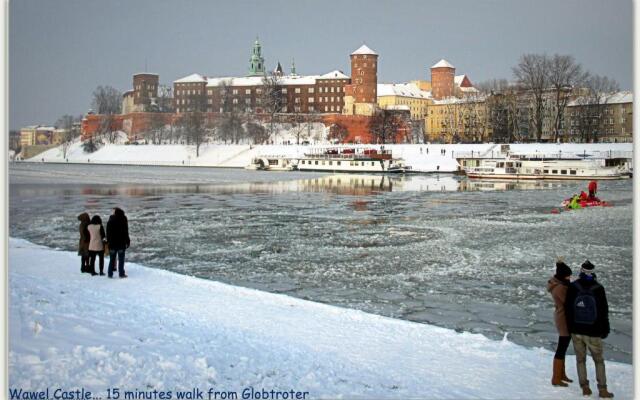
x: 587, y: 314
x: 118, y: 240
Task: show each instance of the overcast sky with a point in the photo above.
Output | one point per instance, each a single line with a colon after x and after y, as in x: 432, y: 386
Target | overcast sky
x: 59, y: 51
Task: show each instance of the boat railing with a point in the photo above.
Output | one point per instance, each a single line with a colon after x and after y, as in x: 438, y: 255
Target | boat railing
x: 590, y: 155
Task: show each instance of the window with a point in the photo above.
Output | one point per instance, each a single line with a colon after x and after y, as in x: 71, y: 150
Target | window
x: 247, y: 101
x: 326, y: 108
x: 563, y: 171
x: 209, y: 101
x: 297, y: 90
x: 554, y: 171
x: 284, y: 90
x: 311, y: 99
x: 258, y: 91
x: 311, y: 108
x: 311, y: 90
x: 332, y: 99
x: 297, y: 100
x: 235, y: 91
x: 235, y: 101
x: 332, y: 89
x: 247, y: 91
x: 338, y: 162
x: 296, y: 108
x: 332, y: 108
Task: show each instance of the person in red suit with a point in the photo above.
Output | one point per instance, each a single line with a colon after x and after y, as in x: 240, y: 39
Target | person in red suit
x: 593, y: 189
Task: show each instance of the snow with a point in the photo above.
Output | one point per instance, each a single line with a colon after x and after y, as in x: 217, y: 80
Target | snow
x: 616, y: 98
x: 240, y: 155
x: 443, y: 64
x: 165, y: 331
x: 364, y: 50
x: 402, y: 89
x: 336, y: 74
x: 193, y: 78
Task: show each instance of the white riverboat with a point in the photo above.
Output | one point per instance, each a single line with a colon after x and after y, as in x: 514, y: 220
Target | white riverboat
x: 352, y: 160
x: 520, y: 167
x: 272, y: 163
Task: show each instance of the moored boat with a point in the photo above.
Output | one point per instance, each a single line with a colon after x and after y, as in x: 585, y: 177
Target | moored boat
x: 272, y: 163
x: 352, y: 159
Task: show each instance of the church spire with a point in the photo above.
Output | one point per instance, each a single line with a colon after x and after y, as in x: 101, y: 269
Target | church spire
x: 293, y: 66
x: 256, y: 62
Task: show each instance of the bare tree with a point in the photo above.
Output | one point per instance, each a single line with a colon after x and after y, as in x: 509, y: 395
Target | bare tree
x: 192, y: 122
x: 592, y: 104
x: 164, y: 102
x: 106, y: 100
x: 272, y: 100
x: 338, y: 132
x: 565, y: 74
x: 384, y: 126
x: 532, y: 73
x: 256, y: 132
x: 70, y: 127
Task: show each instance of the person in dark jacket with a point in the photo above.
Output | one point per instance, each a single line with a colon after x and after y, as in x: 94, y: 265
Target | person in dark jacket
x: 587, y: 313
x: 96, y: 244
x: 558, y: 286
x: 118, y: 240
x: 83, y: 244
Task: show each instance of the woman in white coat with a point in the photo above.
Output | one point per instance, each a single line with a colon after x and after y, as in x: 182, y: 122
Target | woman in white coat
x: 96, y: 244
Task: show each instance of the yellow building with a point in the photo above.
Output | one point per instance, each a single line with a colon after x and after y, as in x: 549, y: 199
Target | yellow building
x: 454, y: 120
x: 28, y: 136
x: 404, y: 94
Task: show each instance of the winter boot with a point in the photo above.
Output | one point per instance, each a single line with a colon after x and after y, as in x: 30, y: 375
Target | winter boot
x: 586, y: 391
x: 556, y: 379
x: 604, y: 393
x: 565, y: 378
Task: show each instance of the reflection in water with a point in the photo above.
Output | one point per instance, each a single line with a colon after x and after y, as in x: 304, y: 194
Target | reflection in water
x: 342, y: 184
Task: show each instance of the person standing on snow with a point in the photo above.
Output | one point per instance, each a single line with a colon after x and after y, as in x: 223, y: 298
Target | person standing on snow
x: 557, y: 286
x: 587, y: 313
x: 118, y: 240
x: 83, y: 244
x: 96, y: 245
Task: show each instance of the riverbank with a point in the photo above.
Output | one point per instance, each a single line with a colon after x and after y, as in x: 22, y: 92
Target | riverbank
x: 422, y: 157
x: 158, y: 330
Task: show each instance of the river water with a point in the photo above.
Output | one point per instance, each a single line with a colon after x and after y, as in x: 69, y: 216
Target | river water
x: 468, y: 255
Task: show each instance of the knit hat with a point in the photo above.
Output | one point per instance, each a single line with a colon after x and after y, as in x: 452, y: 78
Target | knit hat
x: 562, y: 270
x: 587, y: 267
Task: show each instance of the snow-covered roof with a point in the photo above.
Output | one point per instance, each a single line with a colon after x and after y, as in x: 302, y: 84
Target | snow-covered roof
x: 364, y: 50
x: 456, y: 100
x: 334, y: 75
x: 402, y: 89
x: 458, y: 79
x: 193, y: 78
x: 283, y: 80
x: 443, y: 64
x: 145, y: 73
x: 469, y: 89
x: 45, y: 128
x: 616, y: 98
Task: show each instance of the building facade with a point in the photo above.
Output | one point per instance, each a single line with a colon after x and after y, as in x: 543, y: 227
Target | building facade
x: 610, y: 120
x: 305, y: 94
x: 143, y: 94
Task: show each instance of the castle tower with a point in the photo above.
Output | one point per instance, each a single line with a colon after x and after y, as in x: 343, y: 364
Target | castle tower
x: 256, y: 62
x: 145, y: 88
x: 361, y: 95
x: 442, y: 77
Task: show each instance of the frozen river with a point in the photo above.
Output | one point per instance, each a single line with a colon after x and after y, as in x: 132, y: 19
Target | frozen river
x: 468, y: 255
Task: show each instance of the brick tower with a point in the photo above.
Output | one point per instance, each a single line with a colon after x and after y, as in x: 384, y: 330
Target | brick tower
x: 442, y: 76
x: 145, y: 89
x: 361, y: 95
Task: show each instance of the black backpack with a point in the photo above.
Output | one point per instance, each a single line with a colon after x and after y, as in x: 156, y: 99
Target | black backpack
x: 585, y: 309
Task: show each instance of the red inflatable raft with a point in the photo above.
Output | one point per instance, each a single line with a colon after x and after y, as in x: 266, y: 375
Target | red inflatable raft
x: 587, y: 203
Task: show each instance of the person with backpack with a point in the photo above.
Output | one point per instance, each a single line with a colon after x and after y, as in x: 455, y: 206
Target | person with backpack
x: 587, y: 313
x: 557, y: 286
x: 96, y: 244
x: 118, y: 241
x: 593, y: 189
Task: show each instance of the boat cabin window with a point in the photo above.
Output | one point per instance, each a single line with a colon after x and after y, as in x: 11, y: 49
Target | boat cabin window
x: 330, y: 162
x: 323, y: 162
x: 339, y: 162
x: 518, y: 165
x: 546, y: 171
x: 316, y: 162
x: 373, y: 163
x: 554, y: 171
x: 501, y: 165
x: 572, y: 172
x: 273, y: 162
x: 563, y: 171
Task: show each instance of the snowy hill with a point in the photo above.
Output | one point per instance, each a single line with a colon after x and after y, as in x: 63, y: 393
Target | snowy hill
x: 164, y: 331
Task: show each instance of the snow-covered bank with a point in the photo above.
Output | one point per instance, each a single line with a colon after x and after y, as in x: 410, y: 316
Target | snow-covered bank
x: 159, y: 330
x: 425, y: 157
